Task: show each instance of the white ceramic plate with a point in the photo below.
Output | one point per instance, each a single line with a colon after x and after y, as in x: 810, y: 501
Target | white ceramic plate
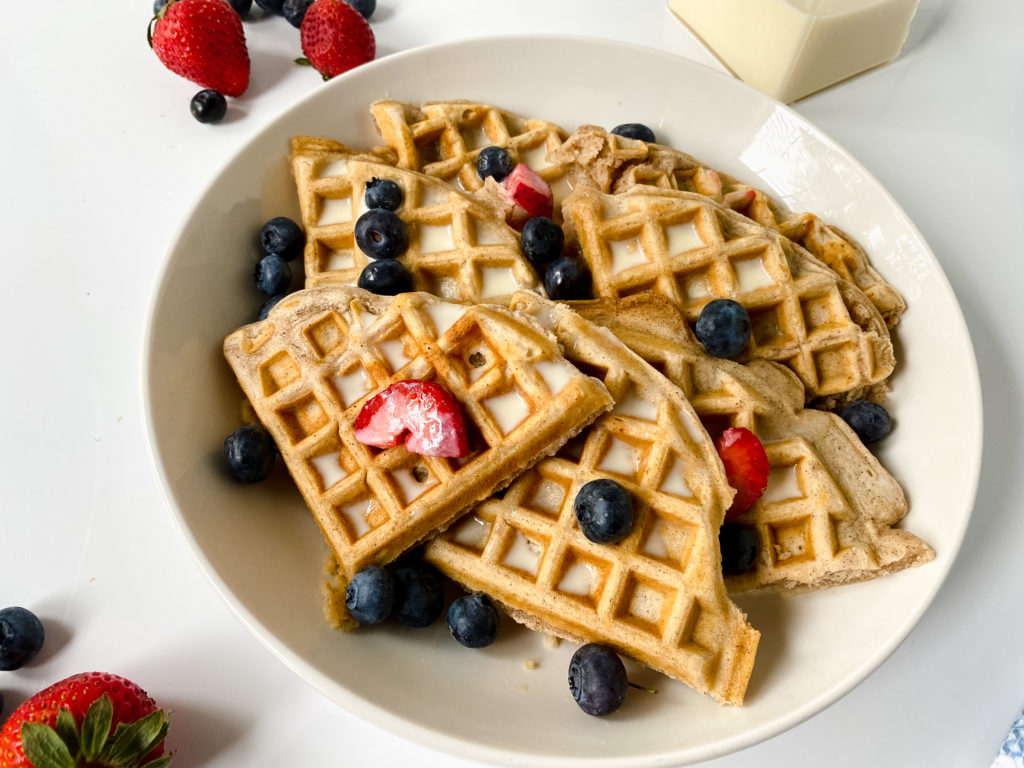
x: 261, y: 549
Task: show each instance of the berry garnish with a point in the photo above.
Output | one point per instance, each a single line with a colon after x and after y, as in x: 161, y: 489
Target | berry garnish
x: 529, y: 191
x: 370, y: 596
x: 473, y: 620
x: 597, y: 679
x: 250, y: 453
x: 567, y: 280
x: 419, y: 595
x: 271, y: 6
x: 385, y: 277
x: 422, y: 415
x: 542, y: 240
x: 634, y: 131
x: 241, y: 6
x: 336, y: 38
x: 268, y: 305
x: 21, y: 638
x: 495, y: 162
x: 272, y: 275
x: 208, y: 106
x: 380, y: 234
x: 723, y: 327
x: 738, y: 544
x: 604, y: 511
x: 295, y: 11
x: 383, y: 193
x: 869, y: 420
x: 365, y: 7
x: 283, y: 237
x: 746, y: 467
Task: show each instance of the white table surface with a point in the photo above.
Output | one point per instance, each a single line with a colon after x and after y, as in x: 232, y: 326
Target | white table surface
x: 100, y: 160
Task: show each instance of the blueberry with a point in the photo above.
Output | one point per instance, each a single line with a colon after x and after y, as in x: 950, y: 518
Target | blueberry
x: 419, y: 596
x: 209, y: 106
x: 738, y: 543
x: 604, y: 511
x: 542, y: 240
x: 370, y: 595
x: 283, y: 237
x: 869, y: 420
x: 494, y: 161
x: 295, y: 11
x: 385, y: 278
x: 271, y: 6
x: 634, y: 131
x: 250, y: 453
x: 567, y: 279
x: 268, y: 305
x: 158, y: 5
x: 272, y: 275
x: 723, y: 327
x: 380, y: 234
x: 241, y: 6
x: 21, y: 637
x: 365, y: 7
x: 597, y: 679
x: 473, y: 620
x: 383, y: 193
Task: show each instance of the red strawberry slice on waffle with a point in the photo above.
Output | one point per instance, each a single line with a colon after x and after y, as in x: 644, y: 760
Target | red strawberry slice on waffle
x: 746, y: 467
x: 529, y: 192
x: 421, y: 414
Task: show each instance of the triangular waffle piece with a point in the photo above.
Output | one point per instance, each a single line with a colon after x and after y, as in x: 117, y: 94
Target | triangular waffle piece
x: 658, y: 594
x: 686, y: 247
x: 827, y: 515
x: 459, y: 248
x: 311, y: 365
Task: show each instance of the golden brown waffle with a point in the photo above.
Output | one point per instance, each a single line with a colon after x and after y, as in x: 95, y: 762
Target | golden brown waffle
x: 309, y: 367
x: 689, y: 249
x: 827, y: 515
x: 459, y: 248
x: 618, y: 164
x: 657, y: 595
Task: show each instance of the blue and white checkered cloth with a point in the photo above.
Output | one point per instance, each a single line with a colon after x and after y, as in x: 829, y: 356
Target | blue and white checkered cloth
x: 1011, y: 754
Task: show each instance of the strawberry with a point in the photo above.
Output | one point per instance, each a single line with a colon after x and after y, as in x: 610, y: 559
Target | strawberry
x: 746, y: 467
x: 529, y: 192
x: 336, y: 38
x: 422, y: 414
x: 92, y: 719
x: 203, y: 41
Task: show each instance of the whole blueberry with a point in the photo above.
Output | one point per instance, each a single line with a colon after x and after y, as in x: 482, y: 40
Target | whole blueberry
x: 283, y: 237
x: 268, y: 305
x: 209, y: 106
x: 634, y: 131
x: 723, y: 327
x: 597, y: 679
x: 386, y: 277
x: 271, y: 6
x: 370, y: 596
x: 272, y: 275
x: 604, y: 511
x: 295, y: 11
x: 542, y: 240
x: 250, y: 452
x: 158, y: 5
x: 380, y: 234
x: 567, y: 279
x: 494, y: 162
x: 473, y: 620
x: 419, y: 595
x: 383, y: 193
x: 21, y: 637
x: 365, y: 7
x: 869, y: 420
x: 241, y: 6
x: 738, y: 543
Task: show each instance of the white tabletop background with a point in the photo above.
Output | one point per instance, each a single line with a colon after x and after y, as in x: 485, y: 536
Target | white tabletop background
x: 99, y: 161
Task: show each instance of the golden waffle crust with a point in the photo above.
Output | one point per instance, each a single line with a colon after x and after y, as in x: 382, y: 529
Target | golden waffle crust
x: 658, y: 595
x: 311, y: 365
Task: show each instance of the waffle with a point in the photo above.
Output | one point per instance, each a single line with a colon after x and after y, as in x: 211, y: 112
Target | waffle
x: 685, y: 247
x: 617, y: 163
x: 322, y: 351
x: 657, y: 595
x: 827, y: 515
x: 459, y: 248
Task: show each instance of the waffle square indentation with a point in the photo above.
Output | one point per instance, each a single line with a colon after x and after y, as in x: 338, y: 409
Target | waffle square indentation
x: 326, y: 334
x: 277, y: 372
x: 302, y: 418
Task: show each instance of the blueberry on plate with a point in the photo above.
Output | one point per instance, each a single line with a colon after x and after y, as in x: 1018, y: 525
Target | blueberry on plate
x: 268, y: 305
x: 21, y: 637
x: 634, y: 131
x: 604, y: 511
x: 542, y: 240
x: 419, y: 595
x: 738, y: 543
x: 597, y: 679
x: 370, y: 596
x: 380, y: 234
x: 869, y: 420
x: 209, y: 106
x: 283, y: 237
x: 567, y: 279
x: 723, y: 327
x: 365, y: 7
x: 386, y: 277
x: 250, y: 452
x: 494, y: 162
x: 272, y: 275
x: 473, y: 620
x: 294, y: 11
x: 383, y: 193
x: 271, y: 6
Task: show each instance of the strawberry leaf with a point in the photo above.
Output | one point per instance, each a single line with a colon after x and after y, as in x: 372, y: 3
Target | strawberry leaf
x: 133, y: 741
x: 96, y: 727
x: 67, y: 729
x: 160, y: 762
x: 304, y: 62
x: 44, y: 748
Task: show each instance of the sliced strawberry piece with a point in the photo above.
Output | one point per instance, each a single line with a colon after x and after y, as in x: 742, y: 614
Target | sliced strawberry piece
x: 529, y: 191
x: 746, y: 467
x: 421, y: 414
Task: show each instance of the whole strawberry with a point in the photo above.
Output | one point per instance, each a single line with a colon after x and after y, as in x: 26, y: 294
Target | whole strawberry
x: 336, y: 38
x: 92, y: 719
x: 203, y: 41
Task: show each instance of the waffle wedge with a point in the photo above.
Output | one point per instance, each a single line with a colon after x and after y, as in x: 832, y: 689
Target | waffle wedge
x: 827, y: 516
x: 309, y: 367
x: 658, y: 595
